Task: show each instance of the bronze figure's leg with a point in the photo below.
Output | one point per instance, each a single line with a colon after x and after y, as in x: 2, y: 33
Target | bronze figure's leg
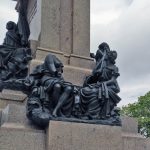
x: 64, y: 97
x: 56, y: 93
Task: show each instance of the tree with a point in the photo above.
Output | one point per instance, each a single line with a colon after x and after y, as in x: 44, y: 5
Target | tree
x: 141, y: 111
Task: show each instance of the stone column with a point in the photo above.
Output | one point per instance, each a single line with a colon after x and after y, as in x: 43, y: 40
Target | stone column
x: 65, y: 32
x: 66, y: 26
x: 81, y: 27
x: 80, y: 56
x: 50, y: 24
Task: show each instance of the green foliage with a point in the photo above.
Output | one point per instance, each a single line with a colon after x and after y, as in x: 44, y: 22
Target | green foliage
x: 141, y: 111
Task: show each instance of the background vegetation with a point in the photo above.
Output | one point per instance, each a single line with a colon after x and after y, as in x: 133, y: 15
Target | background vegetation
x: 141, y: 111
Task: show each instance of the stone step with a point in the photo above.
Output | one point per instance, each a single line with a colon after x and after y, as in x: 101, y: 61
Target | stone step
x: 133, y: 141
x: 17, y: 137
x: 67, y: 59
x: 75, y: 75
x: 80, y: 136
x: 14, y: 113
x: 129, y: 125
x: 11, y: 97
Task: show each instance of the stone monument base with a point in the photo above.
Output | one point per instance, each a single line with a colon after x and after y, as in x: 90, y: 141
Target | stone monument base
x: 80, y: 136
x: 17, y: 133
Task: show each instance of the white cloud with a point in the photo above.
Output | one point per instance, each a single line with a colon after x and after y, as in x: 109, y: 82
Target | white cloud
x: 129, y: 34
x: 105, y: 17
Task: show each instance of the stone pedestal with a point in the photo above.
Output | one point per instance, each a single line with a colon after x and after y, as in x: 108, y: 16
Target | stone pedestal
x: 16, y: 137
x: 11, y: 97
x: 77, y: 136
x: 129, y: 125
x: 67, y: 59
x: 16, y: 132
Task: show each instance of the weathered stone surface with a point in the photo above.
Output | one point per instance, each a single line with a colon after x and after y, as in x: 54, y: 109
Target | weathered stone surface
x: 77, y: 136
x: 16, y: 114
x: 13, y: 95
x: 15, y: 137
x: 75, y: 75
x: 133, y: 141
x: 82, y: 62
x: 129, y: 125
x: 50, y: 21
x: 4, y: 103
x: 0, y: 116
x: 66, y: 26
x: 43, y: 52
x: 72, y: 74
x: 148, y: 144
x: 81, y: 27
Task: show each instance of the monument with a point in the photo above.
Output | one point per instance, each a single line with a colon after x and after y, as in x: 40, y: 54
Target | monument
x: 60, y: 35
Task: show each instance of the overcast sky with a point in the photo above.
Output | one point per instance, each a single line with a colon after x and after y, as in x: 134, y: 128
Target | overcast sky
x: 125, y: 26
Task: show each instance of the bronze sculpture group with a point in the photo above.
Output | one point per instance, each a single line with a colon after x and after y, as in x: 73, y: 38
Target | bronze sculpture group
x: 15, y: 53
x: 50, y: 97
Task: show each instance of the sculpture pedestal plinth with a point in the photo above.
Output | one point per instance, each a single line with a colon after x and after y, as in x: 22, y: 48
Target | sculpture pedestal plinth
x: 79, y: 136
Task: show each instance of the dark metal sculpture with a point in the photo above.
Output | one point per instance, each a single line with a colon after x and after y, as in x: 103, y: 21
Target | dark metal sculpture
x: 99, y: 93
x: 52, y: 98
x: 15, y: 53
x: 23, y: 26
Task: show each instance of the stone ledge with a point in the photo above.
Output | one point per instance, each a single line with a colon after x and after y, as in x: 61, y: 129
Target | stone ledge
x: 41, y: 53
x: 129, y: 124
x: 19, y: 127
x: 80, y: 136
x: 75, y: 75
x: 132, y: 135
x: 67, y: 59
x: 5, y: 103
x: 16, y: 114
x: 13, y: 95
x: 15, y: 137
x: 80, y: 61
x: 133, y: 141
